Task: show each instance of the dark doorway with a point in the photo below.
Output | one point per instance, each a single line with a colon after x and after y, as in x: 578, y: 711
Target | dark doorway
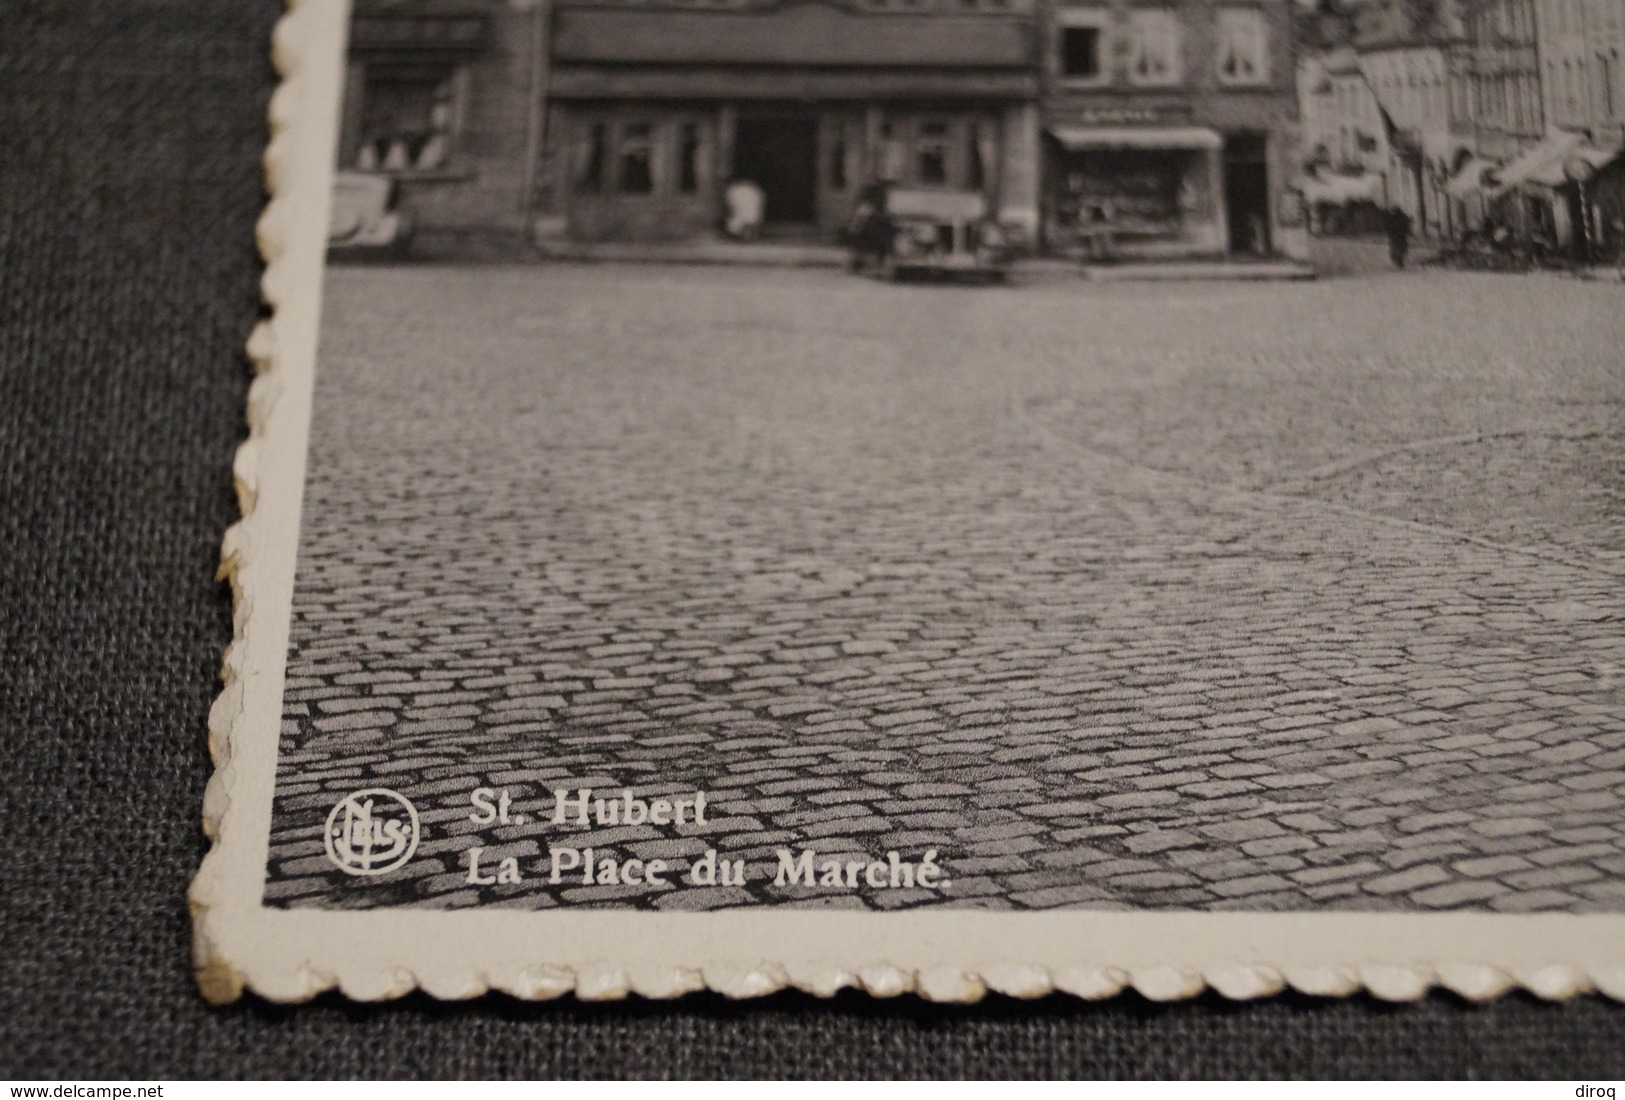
x: 1247, y: 193
x: 779, y: 153
x: 1579, y: 211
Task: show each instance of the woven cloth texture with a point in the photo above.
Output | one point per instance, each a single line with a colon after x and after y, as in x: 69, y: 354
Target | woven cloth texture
x: 130, y: 136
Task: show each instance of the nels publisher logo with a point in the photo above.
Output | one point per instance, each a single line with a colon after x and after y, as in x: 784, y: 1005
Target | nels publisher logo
x: 371, y: 832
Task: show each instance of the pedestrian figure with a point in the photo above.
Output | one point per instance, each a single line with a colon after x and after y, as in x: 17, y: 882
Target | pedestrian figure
x: 745, y: 204
x: 1102, y: 246
x: 872, y: 227
x: 1398, y: 225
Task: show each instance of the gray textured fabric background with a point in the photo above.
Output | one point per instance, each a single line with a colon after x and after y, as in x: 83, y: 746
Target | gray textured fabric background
x: 129, y: 183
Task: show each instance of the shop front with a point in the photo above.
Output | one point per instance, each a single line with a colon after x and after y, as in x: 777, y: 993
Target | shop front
x: 1601, y: 180
x: 653, y: 114
x: 1135, y: 191
x: 1594, y: 186
x: 1174, y: 182
x: 1531, y: 196
x: 1339, y: 203
x: 658, y: 170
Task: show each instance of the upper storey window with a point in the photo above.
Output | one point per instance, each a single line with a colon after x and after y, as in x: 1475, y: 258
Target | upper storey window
x: 1153, y: 47
x: 1242, y: 54
x: 1083, y: 46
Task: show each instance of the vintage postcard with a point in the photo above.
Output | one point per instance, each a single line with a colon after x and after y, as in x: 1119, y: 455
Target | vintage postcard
x: 930, y: 495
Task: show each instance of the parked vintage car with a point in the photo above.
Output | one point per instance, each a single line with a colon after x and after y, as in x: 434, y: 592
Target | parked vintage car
x: 363, y: 221
x: 945, y: 233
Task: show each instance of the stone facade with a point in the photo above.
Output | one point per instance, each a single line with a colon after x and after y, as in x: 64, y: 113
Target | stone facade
x: 1412, y: 83
x: 610, y: 121
x: 1342, y: 121
x: 653, y: 110
x: 1347, y: 154
x: 439, y: 96
x: 1507, y: 113
x: 1581, y: 48
x: 1583, y: 92
x: 1501, y: 114
x: 1416, y: 65
x: 1175, y: 121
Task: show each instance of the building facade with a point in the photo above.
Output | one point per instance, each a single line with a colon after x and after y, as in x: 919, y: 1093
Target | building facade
x: 1170, y: 127
x: 1345, y: 140
x: 441, y: 97
x: 1582, y: 46
x: 1344, y: 128
x: 1503, y: 115
x: 653, y: 108
x: 1506, y: 112
x: 1418, y: 68
x: 1581, y: 49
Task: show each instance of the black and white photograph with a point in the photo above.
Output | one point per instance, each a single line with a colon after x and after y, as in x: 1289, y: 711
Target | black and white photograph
x: 1030, y: 460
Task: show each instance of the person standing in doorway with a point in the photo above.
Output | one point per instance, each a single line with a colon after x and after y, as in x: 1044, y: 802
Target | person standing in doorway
x: 745, y: 205
x: 1398, y: 225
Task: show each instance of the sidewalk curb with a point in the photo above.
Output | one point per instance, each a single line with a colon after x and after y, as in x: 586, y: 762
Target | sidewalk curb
x: 825, y: 256
x: 1196, y: 270
x: 698, y: 254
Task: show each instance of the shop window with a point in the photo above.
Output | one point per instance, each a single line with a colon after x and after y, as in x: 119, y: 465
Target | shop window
x: 1153, y: 55
x: 931, y: 153
x: 408, y: 114
x: 592, y: 159
x: 1082, y: 53
x: 1147, y: 192
x: 1243, y: 47
x: 689, y: 154
x: 636, y: 156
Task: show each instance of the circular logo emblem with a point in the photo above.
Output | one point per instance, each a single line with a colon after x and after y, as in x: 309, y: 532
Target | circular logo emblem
x: 371, y: 832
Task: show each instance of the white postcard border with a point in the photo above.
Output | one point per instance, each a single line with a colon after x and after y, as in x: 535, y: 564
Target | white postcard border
x: 949, y: 955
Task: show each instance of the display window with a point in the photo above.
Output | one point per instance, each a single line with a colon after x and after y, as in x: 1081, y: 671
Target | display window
x: 409, y: 115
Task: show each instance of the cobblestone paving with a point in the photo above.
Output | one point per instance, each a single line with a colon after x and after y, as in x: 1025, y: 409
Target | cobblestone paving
x: 1214, y: 596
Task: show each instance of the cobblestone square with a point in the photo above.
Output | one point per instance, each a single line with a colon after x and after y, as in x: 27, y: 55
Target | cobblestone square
x: 1218, y: 595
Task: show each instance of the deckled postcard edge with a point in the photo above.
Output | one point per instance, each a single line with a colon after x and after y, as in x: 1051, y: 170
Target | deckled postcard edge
x: 239, y: 945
